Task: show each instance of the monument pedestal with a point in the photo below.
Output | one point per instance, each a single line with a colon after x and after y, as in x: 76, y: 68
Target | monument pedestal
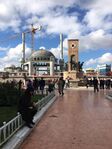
x: 71, y: 74
x: 74, y: 77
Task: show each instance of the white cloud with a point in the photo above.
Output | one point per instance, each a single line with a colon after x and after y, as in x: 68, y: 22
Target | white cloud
x: 42, y: 48
x: 107, y: 57
x: 96, y: 40
x: 13, y: 56
x: 97, y: 13
x: 90, y: 62
x: 104, y: 59
x: 56, y: 52
x: 60, y: 24
x: 4, y: 48
x: 12, y: 11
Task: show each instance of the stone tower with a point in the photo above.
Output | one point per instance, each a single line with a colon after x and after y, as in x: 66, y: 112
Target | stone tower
x: 73, y: 45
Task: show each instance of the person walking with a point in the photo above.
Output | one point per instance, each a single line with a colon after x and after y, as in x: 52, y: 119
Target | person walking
x: 20, y: 83
x: 36, y: 84
x: 42, y: 85
x: 67, y: 82
x: 61, y: 84
x: 95, y: 84
x: 30, y: 85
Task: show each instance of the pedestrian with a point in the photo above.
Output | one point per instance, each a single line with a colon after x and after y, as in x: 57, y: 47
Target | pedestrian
x: 87, y: 83
x: 27, y: 108
x: 95, y: 84
x: 20, y: 83
x: 35, y: 84
x: 42, y: 85
x: 61, y: 84
x: 101, y: 83
x: 30, y: 85
x: 51, y: 86
x: 67, y: 82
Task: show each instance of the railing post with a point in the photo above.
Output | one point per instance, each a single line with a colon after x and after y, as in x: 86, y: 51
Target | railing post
x: 18, y: 120
x: 4, y: 131
x: 0, y: 137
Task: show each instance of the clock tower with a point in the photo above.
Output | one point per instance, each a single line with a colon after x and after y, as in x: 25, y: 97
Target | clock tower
x: 73, y: 45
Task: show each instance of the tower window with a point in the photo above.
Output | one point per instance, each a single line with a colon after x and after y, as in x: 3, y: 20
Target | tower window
x: 72, y: 45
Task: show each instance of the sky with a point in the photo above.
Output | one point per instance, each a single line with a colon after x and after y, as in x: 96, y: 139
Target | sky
x: 90, y: 21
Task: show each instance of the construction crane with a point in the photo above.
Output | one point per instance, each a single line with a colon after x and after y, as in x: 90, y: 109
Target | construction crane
x: 32, y: 31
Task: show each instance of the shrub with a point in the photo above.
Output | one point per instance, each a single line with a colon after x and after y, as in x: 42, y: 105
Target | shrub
x: 9, y: 94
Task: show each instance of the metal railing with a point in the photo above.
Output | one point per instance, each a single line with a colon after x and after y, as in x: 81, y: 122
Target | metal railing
x: 8, y: 129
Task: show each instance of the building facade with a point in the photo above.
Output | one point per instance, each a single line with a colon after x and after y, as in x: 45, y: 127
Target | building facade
x: 104, y: 69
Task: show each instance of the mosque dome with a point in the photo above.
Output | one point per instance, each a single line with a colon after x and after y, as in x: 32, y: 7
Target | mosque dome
x: 41, y: 55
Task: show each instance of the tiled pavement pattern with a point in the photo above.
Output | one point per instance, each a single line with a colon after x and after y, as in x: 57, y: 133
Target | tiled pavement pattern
x: 81, y: 119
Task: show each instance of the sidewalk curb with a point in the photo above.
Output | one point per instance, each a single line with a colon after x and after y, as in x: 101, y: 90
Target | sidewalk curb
x: 20, y: 136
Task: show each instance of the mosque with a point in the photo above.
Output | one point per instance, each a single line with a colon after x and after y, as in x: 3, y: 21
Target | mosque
x: 41, y: 62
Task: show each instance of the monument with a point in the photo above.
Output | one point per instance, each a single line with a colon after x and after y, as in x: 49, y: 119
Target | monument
x: 73, y: 69
x: 72, y: 65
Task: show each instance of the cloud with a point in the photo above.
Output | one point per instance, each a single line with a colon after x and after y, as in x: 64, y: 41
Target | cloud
x: 56, y: 52
x: 45, y: 11
x: 97, y: 14
x: 104, y: 59
x: 90, y: 62
x: 4, y: 48
x: 42, y: 48
x: 96, y: 40
x: 59, y: 24
x: 107, y: 57
x: 12, y: 12
x: 13, y: 56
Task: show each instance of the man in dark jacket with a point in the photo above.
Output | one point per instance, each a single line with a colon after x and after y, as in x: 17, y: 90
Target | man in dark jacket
x: 42, y: 85
x: 61, y: 84
x: 95, y: 83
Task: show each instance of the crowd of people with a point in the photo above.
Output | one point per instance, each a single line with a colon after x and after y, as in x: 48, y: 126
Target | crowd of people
x: 37, y: 85
x: 101, y: 83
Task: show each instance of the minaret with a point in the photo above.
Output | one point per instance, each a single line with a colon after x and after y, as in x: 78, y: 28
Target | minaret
x: 23, y: 50
x: 61, y: 46
x: 32, y: 36
x: 61, y: 61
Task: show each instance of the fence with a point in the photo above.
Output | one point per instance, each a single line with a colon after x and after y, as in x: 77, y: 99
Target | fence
x: 8, y: 129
